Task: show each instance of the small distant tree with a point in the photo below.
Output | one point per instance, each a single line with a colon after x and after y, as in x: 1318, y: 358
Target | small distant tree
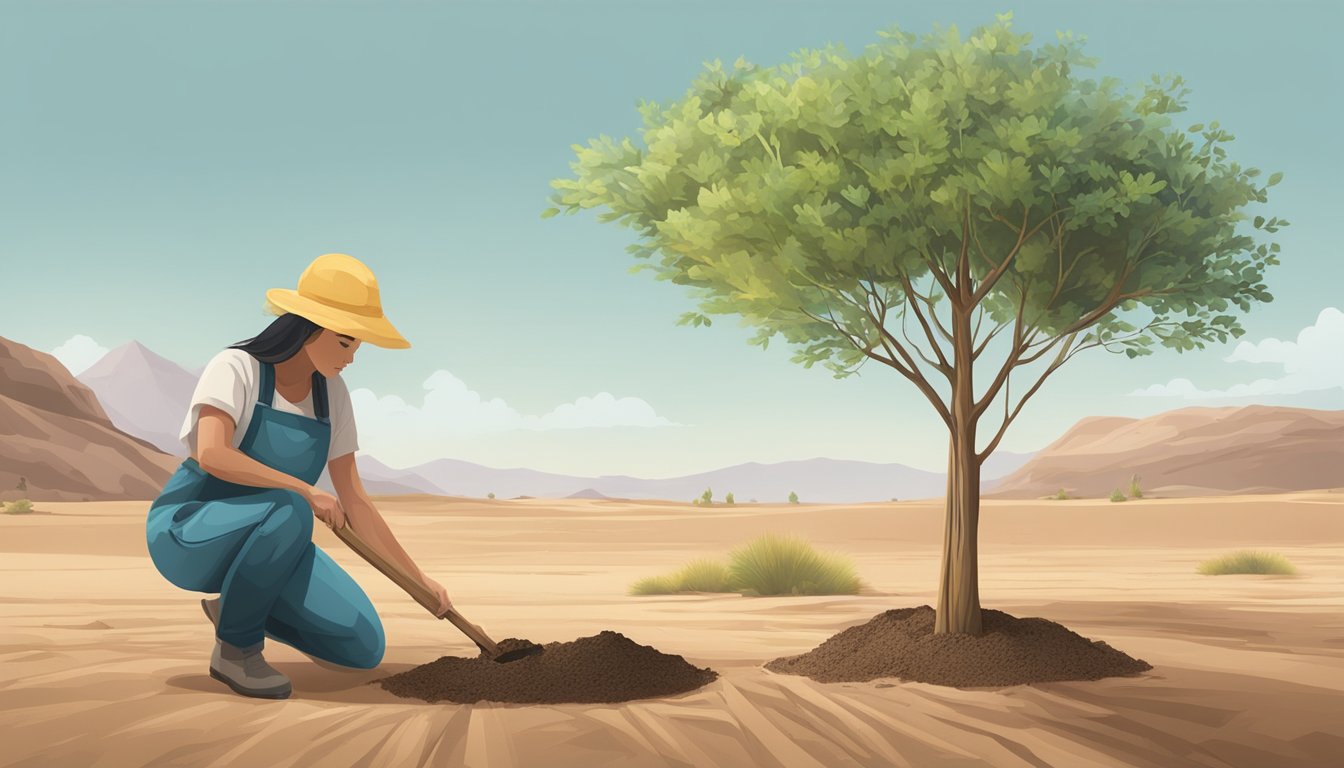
x: 707, y: 497
x: 729, y: 498
x: 490, y: 495
x: 1134, y: 489
x: 1117, y: 495
x: 793, y: 497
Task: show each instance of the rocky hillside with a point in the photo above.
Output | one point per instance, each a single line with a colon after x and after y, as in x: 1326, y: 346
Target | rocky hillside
x: 1195, y: 451
x: 56, y: 439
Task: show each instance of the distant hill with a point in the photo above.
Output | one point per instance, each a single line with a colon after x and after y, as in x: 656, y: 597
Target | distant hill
x: 144, y: 394
x: 820, y: 479
x: 58, y: 441
x: 1196, y: 451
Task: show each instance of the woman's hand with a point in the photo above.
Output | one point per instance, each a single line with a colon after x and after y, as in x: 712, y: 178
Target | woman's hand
x: 440, y: 593
x: 326, y: 508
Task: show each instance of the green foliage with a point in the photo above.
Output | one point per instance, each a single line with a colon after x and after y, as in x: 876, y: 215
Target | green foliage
x: 1061, y: 495
x: 707, y: 497
x: 1134, y: 490
x: 1247, y: 561
x: 729, y: 498
x: 19, y: 507
x: 786, y: 565
x: 793, y: 497
x: 490, y: 495
x: 812, y: 196
x: 1118, y: 495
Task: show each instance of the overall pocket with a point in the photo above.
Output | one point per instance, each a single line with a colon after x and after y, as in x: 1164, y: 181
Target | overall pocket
x: 220, y: 517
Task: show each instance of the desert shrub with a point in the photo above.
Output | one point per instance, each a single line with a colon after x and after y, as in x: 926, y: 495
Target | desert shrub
x: 653, y: 585
x: 786, y: 565
x: 1061, y: 495
x: 1117, y: 495
x: 490, y: 495
x: 1247, y: 561
x: 1134, y: 490
x: 707, y: 497
x: 20, y: 507
x: 793, y: 497
x: 729, y: 498
x: 703, y: 575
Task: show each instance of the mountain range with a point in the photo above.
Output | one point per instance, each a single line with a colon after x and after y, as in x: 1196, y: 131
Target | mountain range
x: 111, y: 433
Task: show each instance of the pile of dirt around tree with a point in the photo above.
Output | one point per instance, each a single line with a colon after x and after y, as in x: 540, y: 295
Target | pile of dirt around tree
x: 604, y: 668
x: 1012, y: 651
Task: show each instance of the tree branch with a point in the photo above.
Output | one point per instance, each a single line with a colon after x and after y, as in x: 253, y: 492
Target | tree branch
x: 1009, y: 362
x: 1059, y: 360
x: 943, y: 365
x: 912, y: 373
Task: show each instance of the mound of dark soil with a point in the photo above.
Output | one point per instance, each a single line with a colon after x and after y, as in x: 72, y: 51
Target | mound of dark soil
x: 1012, y: 651
x: 604, y: 668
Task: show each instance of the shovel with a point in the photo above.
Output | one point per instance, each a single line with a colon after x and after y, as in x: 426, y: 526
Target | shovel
x: 430, y: 601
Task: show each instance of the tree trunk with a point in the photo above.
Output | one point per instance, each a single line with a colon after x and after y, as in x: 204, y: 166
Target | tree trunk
x: 959, y: 585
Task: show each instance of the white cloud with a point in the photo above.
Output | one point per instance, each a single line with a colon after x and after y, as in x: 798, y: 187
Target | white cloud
x: 388, y: 425
x: 1314, y: 362
x: 78, y: 353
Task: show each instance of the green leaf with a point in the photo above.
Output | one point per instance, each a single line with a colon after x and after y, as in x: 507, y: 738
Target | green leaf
x: 549, y: 212
x: 1274, y: 178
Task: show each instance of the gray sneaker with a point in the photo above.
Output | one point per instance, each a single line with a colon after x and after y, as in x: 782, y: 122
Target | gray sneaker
x: 211, y: 608
x: 246, y: 672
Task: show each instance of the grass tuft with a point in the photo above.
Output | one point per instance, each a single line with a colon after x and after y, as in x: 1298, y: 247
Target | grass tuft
x: 787, y: 565
x: 1247, y: 561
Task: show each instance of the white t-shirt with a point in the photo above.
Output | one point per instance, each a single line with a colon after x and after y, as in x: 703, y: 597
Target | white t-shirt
x: 231, y: 382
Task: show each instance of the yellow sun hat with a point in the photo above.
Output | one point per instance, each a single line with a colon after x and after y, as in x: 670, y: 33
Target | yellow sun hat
x: 340, y: 294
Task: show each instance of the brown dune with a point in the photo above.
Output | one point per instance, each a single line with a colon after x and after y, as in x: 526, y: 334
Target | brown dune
x: 1195, y: 451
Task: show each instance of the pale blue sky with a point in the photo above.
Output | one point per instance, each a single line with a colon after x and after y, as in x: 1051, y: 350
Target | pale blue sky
x: 165, y: 163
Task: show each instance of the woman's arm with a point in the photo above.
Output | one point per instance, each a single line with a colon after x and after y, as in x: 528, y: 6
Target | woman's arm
x: 214, y: 445
x: 367, y: 521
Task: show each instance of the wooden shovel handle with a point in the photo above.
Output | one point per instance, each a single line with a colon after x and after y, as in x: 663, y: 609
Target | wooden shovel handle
x: 415, y: 589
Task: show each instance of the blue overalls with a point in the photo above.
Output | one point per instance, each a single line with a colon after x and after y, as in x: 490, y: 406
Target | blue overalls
x: 254, y: 547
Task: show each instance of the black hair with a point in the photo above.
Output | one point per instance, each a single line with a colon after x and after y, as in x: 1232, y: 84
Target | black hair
x: 281, y: 340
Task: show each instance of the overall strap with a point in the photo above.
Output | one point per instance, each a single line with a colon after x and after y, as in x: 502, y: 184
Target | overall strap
x: 267, y: 391
x: 320, y: 396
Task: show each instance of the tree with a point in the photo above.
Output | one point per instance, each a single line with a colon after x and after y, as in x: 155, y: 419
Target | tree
x: 830, y: 199
x: 707, y: 497
x: 793, y: 497
x: 729, y: 498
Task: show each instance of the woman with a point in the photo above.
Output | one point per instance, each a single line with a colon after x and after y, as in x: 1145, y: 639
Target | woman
x: 236, y: 518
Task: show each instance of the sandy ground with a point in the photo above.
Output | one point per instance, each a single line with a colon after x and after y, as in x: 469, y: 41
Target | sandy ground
x: 105, y: 663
